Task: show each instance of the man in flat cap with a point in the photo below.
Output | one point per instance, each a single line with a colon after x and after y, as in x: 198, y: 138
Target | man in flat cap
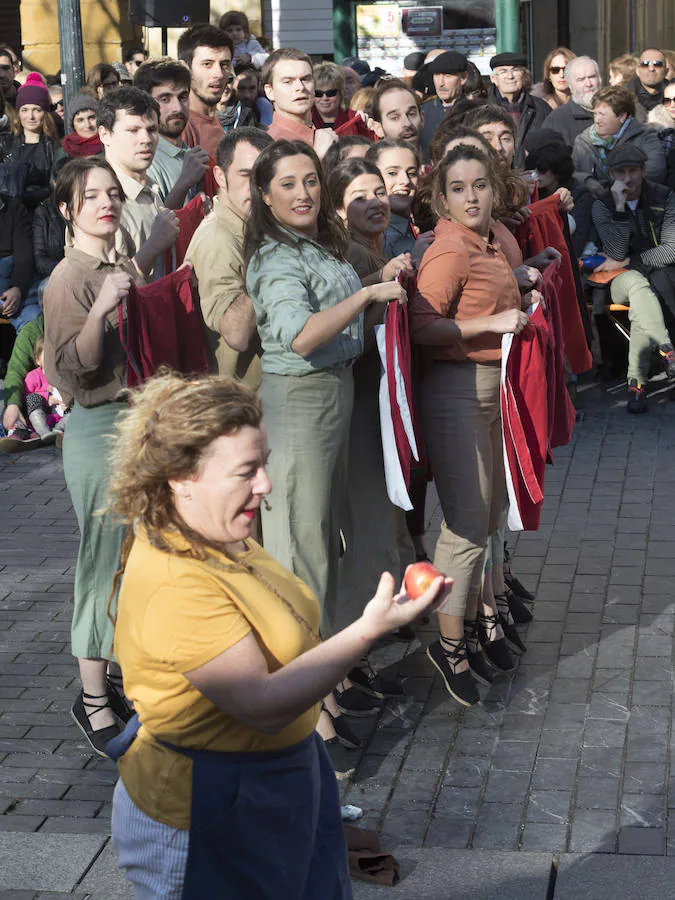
x: 449, y: 72
x: 509, y: 77
x: 636, y: 222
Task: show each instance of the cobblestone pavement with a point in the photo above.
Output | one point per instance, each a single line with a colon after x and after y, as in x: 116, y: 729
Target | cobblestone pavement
x: 571, y: 754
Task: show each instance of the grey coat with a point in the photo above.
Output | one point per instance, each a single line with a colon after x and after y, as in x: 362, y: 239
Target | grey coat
x: 590, y: 170
x: 569, y: 121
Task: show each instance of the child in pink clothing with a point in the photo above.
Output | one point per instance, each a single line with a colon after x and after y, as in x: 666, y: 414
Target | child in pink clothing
x: 44, y: 404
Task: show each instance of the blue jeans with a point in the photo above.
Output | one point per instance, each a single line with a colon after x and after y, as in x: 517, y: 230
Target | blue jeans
x: 30, y: 306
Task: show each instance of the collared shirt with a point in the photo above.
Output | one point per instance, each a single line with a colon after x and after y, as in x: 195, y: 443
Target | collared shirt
x: 166, y: 168
x: 217, y: 253
x: 203, y: 131
x: 73, y: 287
x: 284, y: 128
x: 290, y: 282
x: 398, y: 238
x: 463, y: 277
x: 139, y: 211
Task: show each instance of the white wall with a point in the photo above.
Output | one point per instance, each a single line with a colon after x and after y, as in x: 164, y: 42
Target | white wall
x: 306, y: 24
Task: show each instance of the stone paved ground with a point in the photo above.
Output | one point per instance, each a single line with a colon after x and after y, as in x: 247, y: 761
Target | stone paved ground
x: 570, y: 756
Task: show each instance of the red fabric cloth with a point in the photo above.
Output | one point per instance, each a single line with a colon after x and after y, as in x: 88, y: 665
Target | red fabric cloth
x: 209, y: 182
x: 77, y: 146
x: 543, y: 228
x: 398, y: 344
x: 525, y: 423
x: 189, y: 218
x: 343, y: 117
x: 561, y: 412
x: 355, y: 125
x: 163, y: 327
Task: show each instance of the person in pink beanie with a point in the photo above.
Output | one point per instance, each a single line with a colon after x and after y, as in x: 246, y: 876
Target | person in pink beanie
x: 27, y: 155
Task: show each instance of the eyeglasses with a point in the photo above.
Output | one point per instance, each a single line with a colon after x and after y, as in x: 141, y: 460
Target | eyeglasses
x: 657, y: 63
x: 331, y: 92
x: 556, y: 70
x: 667, y: 101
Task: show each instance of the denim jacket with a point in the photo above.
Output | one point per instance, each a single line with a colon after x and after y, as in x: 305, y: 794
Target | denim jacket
x: 290, y: 282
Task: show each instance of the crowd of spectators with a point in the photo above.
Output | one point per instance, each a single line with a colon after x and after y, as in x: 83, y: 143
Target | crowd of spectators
x: 307, y: 200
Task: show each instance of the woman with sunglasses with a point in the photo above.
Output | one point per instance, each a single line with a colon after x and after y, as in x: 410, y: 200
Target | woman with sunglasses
x: 554, y: 88
x: 329, y: 97
x: 667, y: 134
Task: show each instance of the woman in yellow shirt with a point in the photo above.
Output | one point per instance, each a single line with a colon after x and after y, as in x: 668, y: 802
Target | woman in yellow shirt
x: 225, y: 788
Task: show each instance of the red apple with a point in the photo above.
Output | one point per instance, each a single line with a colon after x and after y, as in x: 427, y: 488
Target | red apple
x: 419, y: 578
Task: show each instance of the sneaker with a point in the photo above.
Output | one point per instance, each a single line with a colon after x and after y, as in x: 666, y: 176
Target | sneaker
x: 353, y: 702
x: 20, y: 439
x: 343, y: 765
x: 668, y: 357
x: 637, y: 398
x: 374, y: 685
x: 459, y: 685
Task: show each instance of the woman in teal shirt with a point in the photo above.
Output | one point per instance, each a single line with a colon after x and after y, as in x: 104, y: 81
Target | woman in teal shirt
x: 311, y: 312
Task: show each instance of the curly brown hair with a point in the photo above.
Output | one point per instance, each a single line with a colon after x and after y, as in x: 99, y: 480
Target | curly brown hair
x: 171, y: 422
x: 619, y: 99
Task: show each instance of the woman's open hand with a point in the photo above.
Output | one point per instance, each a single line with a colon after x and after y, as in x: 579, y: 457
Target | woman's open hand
x: 388, y: 611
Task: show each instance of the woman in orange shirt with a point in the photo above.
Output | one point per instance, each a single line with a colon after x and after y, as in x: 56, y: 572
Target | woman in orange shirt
x: 467, y: 298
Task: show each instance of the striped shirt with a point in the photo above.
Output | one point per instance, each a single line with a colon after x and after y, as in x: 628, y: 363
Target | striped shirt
x: 619, y: 231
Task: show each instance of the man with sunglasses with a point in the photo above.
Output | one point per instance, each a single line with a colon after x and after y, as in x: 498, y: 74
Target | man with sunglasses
x: 649, y: 82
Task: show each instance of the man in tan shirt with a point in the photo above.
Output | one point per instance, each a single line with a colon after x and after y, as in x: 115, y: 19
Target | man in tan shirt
x: 216, y: 252
x: 207, y: 52
x: 128, y: 128
x: 288, y: 82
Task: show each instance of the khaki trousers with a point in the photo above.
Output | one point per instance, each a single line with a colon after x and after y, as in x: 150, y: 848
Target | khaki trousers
x: 463, y: 437
x: 307, y: 420
x: 646, y: 321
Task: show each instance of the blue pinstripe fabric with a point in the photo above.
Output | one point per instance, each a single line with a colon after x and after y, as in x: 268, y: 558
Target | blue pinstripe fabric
x: 154, y: 855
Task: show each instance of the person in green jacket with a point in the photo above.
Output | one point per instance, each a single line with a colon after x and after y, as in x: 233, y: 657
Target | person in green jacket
x: 20, y: 364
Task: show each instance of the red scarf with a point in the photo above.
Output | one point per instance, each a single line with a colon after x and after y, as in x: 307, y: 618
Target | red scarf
x: 77, y: 146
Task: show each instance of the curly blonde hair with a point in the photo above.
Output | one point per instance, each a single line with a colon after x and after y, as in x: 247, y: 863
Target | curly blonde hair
x: 171, y: 422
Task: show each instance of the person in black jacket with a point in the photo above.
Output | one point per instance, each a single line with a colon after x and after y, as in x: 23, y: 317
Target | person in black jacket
x: 507, y: 91
x: 18, y: 300
x: 649, y: 82
x: 555, y: 169
x: 636, y: 223
x: 583, y: 77
x: 27, y: 156
x: 449, y: 72
x: 49, y: 237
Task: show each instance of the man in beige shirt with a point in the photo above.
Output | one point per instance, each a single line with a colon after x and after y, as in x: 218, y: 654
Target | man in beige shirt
x: 216, y: 252
x: 128, y: 128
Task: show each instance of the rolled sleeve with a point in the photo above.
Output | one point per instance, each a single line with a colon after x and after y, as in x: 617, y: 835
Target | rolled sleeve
x: 439, y: 285
x: 278, y: 288
x: 218, y: 267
